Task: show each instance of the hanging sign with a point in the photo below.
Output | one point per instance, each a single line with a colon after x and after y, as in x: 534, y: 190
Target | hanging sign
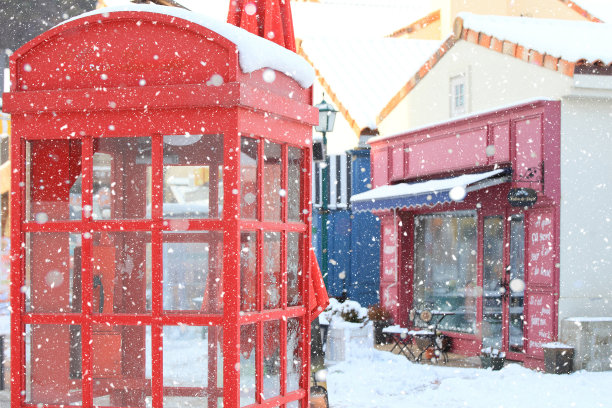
x: 522, y: 197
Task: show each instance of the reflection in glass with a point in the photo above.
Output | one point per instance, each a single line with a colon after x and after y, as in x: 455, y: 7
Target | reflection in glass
x: 272, y: 360
x: 445, y: 266
x: 247, y: 364
x: 248, y: 271
x: 248, y: 177
x: 272, y: 273
x: 53, y: 365
x: 517, y: 271
x: 193, y: 358
x: 53, y: 285
x: 272, y: 189
x: 118, y: 353
x: 294, y: 186
x: 294, y: 272
x: 294, y: 354
x: 193, y: 176
x: 121, y: 272
x: 493, y: 279
x: 52, y: 170
x: 193, y: 271
x: 121, y: 178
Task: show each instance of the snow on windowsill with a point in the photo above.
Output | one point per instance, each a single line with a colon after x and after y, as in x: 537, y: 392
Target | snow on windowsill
x: 254, y: 52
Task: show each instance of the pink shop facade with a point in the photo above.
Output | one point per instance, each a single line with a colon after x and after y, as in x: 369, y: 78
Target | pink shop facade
x: 469, y: 213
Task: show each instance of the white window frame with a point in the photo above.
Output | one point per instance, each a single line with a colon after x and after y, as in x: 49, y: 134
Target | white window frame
x: 460, y: 80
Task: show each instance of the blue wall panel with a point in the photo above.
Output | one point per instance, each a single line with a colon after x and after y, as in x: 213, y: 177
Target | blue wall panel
x: 354, y: 242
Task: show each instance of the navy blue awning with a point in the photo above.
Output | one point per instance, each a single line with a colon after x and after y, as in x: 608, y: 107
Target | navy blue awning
x: 427, y: 193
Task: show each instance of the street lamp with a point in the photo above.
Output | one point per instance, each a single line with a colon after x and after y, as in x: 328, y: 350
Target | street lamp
x: 327, y: 118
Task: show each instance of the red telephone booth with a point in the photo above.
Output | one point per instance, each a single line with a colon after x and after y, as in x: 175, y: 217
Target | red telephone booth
x: 160, y: 215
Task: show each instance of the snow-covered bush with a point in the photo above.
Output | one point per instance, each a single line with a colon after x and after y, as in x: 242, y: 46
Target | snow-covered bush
x: 349, y: 311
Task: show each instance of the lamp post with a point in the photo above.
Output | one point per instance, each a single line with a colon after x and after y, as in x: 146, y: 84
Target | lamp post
x: 327, y: 118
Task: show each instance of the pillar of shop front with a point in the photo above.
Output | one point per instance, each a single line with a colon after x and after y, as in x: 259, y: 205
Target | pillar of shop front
x: 160, y: 223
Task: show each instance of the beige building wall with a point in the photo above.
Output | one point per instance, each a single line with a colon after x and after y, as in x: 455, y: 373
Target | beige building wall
x: 432, y: 31
x: 529, y: 8
x: 493, y: 79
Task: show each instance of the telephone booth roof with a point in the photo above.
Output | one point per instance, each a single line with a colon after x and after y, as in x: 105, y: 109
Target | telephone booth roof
x: 150, y: 59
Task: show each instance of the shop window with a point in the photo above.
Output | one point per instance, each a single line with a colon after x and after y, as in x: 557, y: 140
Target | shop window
x: 446, y: 267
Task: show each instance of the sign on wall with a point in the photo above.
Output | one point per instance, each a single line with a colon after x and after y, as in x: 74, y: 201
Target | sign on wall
x: 541, y: 320
x: 388, y: 277
x: 541, y: 249
x: 540, y: 301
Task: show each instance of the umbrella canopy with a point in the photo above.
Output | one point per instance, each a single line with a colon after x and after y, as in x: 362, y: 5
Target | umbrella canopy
x: 270, y: 19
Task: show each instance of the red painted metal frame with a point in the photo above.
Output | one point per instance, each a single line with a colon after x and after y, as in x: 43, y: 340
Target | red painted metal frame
x: 241, y: 106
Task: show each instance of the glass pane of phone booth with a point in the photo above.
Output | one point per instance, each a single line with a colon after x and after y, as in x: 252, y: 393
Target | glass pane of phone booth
x: 193, y: 176
x: 121, y: 272
x: 52, y: 272
x: 295, y: 170
x: 193, y: 271
x: 248, y: 344
x: 52, y: 191
x: 249, y: 161
x: 121, y: 178
x: 272, y: 359
x: 193, y: 366
x: 294, y: 354
x: 121, y: 361
x: 52, y: 364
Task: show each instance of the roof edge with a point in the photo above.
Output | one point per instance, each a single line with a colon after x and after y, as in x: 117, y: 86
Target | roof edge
x: 332, y: 95
x: 584, y: 13
x: 416, y: 25
x: 416, y: 78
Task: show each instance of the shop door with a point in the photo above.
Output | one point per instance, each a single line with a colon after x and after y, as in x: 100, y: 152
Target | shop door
x: 503, y: 286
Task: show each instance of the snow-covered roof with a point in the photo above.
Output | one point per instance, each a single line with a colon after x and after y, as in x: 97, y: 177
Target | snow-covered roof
x: 329, y: 18
x: 254, y: 52
x: 364, y: 74
x: 570, y: 40
x: 600, y: 9
x: 359, y: 18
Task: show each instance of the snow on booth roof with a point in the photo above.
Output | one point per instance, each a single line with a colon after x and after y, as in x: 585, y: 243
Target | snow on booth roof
x: 365, y: 74
x: 571, y: 40
x: 254, y: 52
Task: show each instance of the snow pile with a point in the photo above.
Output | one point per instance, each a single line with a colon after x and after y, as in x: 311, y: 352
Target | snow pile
x: 570, y: 40
x: 347, y: 314
x: 381, y: 379
x: 254, y: 52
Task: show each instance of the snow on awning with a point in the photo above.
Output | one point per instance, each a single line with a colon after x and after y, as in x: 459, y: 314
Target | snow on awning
x: 427, y: 193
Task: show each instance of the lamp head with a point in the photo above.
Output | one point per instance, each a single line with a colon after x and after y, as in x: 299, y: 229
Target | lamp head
x: 327, y: 117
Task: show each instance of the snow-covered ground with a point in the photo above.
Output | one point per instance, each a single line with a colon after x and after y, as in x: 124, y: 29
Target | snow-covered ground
x: 370, y: 378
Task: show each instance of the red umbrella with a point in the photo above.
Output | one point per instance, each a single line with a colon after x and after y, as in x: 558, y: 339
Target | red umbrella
x: 269, y: 19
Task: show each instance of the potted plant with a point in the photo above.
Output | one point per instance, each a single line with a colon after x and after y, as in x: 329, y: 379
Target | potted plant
x: 492, y: 358
x: 380, y: 318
